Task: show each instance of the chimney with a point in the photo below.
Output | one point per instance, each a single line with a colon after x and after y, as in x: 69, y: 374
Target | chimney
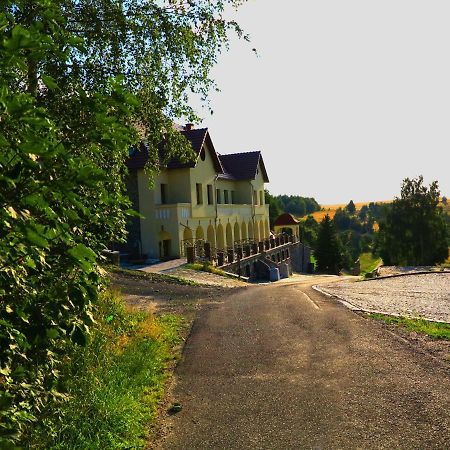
x: 188, y: 127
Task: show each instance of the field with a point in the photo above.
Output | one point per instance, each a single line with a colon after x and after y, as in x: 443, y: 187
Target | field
x: 331, y: 209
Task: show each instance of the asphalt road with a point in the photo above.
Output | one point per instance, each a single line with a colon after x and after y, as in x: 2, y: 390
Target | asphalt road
x: 284, y: 367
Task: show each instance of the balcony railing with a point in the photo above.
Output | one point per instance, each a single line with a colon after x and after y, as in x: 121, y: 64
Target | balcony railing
x: 241, y: 209
x: 176, y: 211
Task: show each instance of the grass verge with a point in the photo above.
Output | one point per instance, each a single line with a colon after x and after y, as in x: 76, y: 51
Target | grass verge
x: 207, y: 268
x: 368, y: 262
x: 434, y: 330
x: 114, y: 384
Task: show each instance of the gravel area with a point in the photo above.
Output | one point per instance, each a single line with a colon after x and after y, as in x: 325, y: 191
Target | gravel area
x: 426, y: 295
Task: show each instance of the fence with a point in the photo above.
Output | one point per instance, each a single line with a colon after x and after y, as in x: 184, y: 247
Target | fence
x: 199, y: 250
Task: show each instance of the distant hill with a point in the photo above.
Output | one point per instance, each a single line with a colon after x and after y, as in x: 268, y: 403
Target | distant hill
x: 331, y: 209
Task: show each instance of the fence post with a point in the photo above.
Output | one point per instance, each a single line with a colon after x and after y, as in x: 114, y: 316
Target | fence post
x: 207, y: 247
x: 220, y: 258
x: 190, y: 254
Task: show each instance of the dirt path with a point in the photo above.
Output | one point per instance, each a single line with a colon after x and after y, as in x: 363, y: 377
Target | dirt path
x: 284, y: 367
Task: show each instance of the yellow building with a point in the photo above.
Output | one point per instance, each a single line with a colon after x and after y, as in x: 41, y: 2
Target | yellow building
x: 215, y: 198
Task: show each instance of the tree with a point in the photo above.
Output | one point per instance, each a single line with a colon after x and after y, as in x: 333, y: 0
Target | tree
x: 414, y: 231
x: 80, y: 82
x: 275, y: 208
x: 327, y: 251
x: 351, y: 208
x: 444, y: 200
x: 363, y: 212
x: 309, y: 230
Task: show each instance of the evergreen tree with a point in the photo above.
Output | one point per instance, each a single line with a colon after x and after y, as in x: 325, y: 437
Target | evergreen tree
x: 351, y: 208
x: 327, y: 250
x: 414, y: 231
x: 363, y: 212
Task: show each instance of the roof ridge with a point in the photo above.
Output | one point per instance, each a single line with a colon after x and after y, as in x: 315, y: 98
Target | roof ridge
x: 194, y: 129
x: 241, y: 153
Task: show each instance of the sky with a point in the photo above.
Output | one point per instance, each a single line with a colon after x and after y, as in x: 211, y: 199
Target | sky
x: 345, y: 99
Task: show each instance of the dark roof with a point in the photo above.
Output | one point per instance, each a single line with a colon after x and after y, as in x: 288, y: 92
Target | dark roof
x: 243, y: 166
x: 286, y: 219
x: 237, y: 166
x: 138, y: 157
x: 197, y: 137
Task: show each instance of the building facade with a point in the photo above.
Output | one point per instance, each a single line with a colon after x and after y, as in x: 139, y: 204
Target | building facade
x: 215, y: 198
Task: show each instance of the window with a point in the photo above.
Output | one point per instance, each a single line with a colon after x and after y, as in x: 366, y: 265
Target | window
x: 218, y: 201
x: 261, y: 197
x: 210, y: 194
x: 225, y: 197
x: 163, y: 193
x: 255, y: 197
x: 199, y: 194
x: 233, y: 197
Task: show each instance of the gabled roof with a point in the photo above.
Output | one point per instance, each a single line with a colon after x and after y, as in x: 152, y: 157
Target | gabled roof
x: 197, y: 137
x: 138, y: 157
x: 236, y: 166
x: 286, y: 219
x: 243, y: 166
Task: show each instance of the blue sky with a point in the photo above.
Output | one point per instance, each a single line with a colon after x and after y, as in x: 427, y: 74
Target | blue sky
x: 345, y: 99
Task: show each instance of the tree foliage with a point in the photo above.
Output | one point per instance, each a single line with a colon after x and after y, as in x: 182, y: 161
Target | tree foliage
x: 414, y: 231
x: 309, y: 229
x: 80, y: 82
x: 351, y: 208
x: 275, y: 207
x: 327, y: 250
x: 297, y: 205
x: 292, y: 204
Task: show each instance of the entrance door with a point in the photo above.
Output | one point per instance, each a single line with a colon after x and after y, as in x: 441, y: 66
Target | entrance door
x: 165, y: 248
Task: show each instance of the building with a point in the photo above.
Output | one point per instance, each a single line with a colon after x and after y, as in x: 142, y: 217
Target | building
x: 287, y: 223
x: 214, y: 198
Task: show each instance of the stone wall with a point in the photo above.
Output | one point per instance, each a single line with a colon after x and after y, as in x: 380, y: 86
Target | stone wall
x: 300, y: 256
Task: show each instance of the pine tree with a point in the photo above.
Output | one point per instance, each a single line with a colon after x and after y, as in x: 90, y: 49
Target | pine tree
x: 351, y: 208
x: 327, y: 250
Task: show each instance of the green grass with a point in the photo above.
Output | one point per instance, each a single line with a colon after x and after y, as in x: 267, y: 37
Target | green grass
x: 207, y: 268
x: 313, y: 260
x: 368, y: 262
x: 434, y: 330
x: 115, y: 384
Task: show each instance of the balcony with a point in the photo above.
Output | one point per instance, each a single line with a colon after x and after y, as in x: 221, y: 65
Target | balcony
x: 173, y: 212
x: 243, y: 210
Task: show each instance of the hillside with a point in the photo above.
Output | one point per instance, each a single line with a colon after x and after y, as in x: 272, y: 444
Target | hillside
x: 331, y: 209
